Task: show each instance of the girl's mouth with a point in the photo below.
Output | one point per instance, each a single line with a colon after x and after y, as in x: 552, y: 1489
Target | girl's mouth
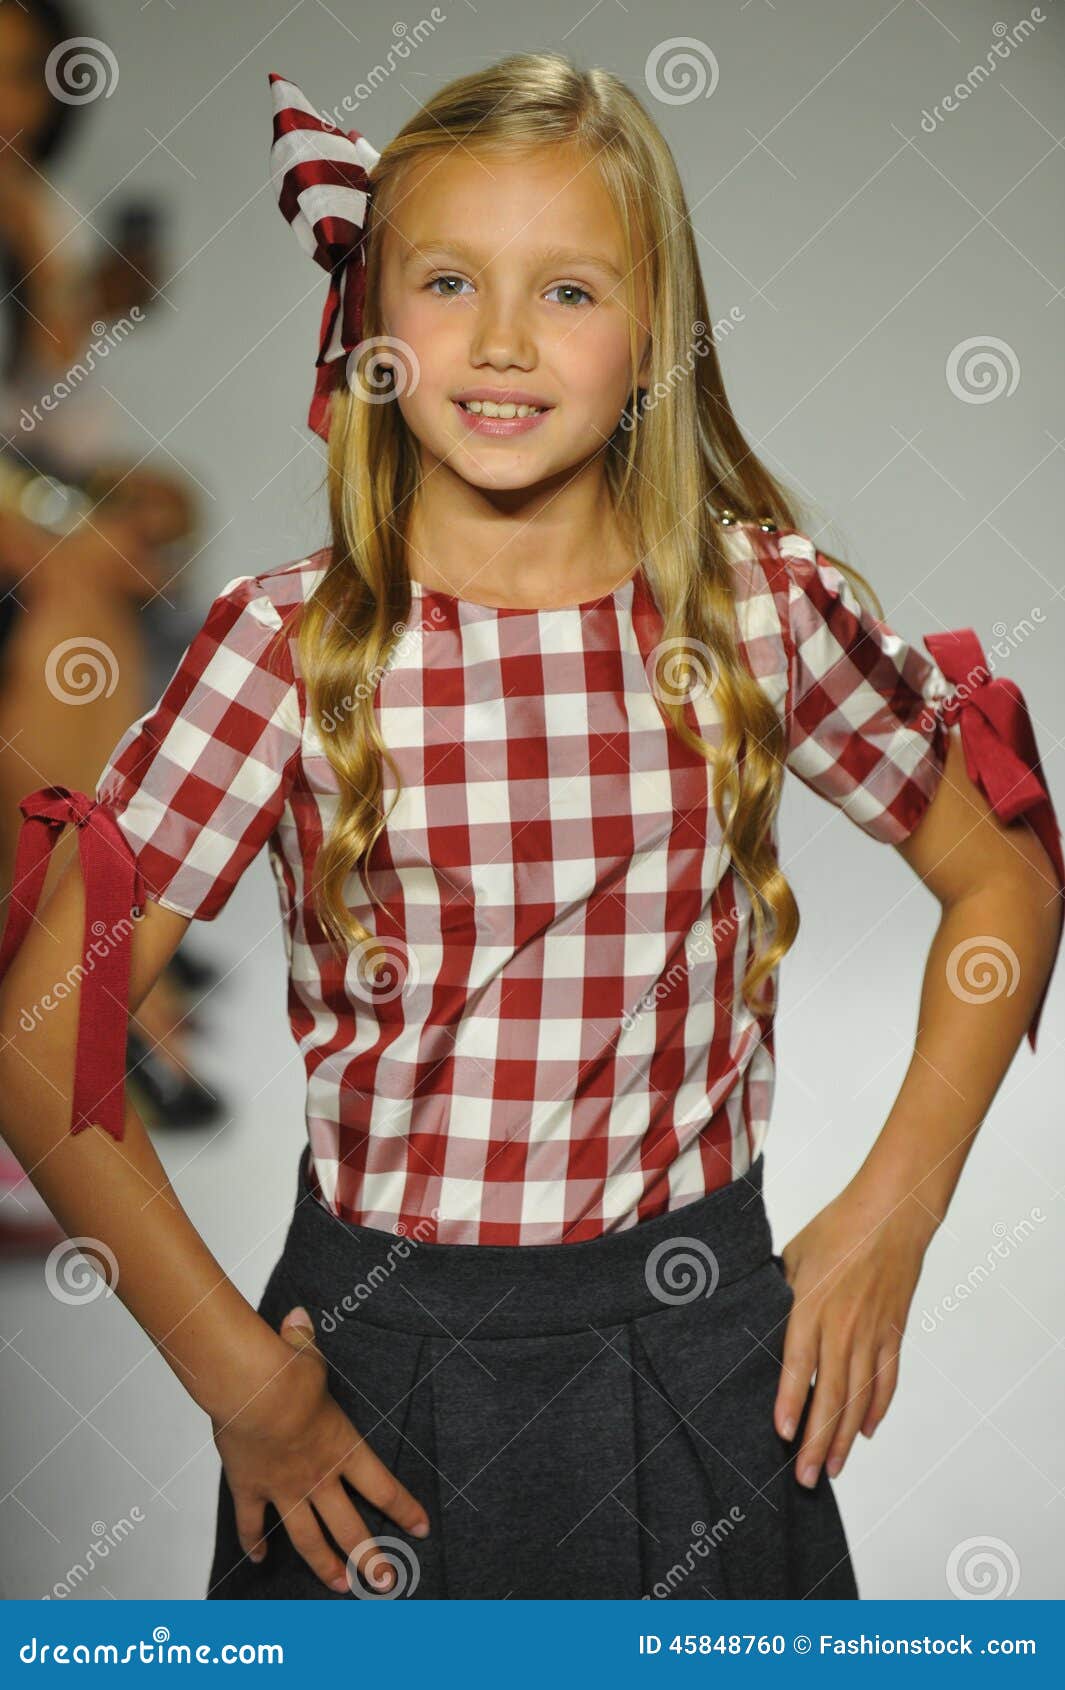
x: 515, y: 419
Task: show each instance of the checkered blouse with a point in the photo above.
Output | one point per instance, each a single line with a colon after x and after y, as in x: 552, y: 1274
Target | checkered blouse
x: 558, y: 1047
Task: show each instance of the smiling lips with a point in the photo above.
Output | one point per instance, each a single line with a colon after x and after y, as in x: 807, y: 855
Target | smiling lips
x: 513, y: 415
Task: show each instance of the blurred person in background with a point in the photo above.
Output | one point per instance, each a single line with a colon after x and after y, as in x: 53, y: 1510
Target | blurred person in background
x: 91, y: 540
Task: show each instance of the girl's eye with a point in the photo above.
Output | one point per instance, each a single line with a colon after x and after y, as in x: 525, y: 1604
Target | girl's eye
x: 572, y: 287
x: 432, y: 284
x: 567, y: 287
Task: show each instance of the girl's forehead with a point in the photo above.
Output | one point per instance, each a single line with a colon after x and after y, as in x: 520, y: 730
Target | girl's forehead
x: 497, y: 178
x: 500, y: 199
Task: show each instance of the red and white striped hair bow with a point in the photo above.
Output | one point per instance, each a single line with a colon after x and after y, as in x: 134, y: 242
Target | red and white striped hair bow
x: 321, y: 177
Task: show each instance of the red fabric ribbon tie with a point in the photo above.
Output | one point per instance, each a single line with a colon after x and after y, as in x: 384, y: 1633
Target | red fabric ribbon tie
x: 113, y: 888
x: 1001, y: 755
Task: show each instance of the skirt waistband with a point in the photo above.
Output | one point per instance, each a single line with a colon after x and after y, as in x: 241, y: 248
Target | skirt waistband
x: 514, y: 1290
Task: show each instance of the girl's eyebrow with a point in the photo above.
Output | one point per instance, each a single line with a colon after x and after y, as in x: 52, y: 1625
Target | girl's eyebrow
x: 434, y: 250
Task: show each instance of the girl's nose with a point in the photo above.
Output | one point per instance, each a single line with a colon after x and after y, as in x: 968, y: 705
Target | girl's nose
x: 503, y: 337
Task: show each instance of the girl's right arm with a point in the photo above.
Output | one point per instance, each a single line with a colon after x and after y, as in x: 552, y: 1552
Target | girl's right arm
x: 281, y: 1435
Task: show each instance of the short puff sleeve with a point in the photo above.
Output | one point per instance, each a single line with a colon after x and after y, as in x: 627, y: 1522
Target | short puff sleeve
x: 863, y: 727
x: 869, y: 717
x: 199, y: 782
x: 190, y: 794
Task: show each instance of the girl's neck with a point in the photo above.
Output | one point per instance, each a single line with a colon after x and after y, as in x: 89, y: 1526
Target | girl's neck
x: 507, y: 562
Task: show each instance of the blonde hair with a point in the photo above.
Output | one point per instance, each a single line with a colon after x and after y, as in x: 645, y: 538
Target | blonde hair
x: 687, y: 456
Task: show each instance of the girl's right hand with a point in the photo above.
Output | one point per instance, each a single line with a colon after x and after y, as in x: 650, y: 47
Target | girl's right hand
x: 291, y: 1446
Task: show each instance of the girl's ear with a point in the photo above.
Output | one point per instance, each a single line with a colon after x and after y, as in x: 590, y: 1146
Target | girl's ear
x: 644, y: 372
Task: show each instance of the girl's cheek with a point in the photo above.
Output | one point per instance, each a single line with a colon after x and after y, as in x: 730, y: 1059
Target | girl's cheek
x: 593, y: 366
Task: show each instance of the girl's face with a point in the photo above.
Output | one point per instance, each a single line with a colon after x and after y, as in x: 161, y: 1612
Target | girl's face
x: 25, y: 103
x: 508, y: 274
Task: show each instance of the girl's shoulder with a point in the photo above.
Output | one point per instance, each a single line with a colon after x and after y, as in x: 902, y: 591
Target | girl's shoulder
x: 272, y: 592
x: 772, y: 568
x: 764, y: 556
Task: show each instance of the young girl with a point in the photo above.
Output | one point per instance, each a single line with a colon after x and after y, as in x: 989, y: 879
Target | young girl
x: 515, y: 742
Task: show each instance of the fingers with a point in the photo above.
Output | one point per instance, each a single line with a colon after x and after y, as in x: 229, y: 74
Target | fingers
x: 249, y: 1512
x: 885, y: 1380
x: 365, y: 1470
x: 373, y: 1480
x: 797, y: 1365
x: 301, y: 1523
x: 349, y: 1530
x: 829, y: 1396
x: 301, y: 1520
x: 859, y: 1394
x: 297, y: 1328
x: 328, y: 1503
x: 843, y: 1397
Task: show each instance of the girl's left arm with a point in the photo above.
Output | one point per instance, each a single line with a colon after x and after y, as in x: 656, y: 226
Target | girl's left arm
x: 854, y: 1267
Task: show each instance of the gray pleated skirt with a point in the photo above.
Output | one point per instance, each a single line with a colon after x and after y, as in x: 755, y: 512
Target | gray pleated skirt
x: 590, y: 1420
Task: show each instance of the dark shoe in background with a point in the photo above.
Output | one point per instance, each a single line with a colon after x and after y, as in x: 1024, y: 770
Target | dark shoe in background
x: 162, y: 1096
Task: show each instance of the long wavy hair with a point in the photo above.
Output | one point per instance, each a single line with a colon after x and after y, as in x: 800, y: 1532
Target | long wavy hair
x: 685, y: 456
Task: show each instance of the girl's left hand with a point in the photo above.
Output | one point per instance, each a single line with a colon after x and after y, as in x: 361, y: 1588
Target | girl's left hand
x: 854, y: 1275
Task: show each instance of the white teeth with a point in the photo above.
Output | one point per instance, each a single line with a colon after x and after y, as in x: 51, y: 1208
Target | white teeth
x: 488, y: 408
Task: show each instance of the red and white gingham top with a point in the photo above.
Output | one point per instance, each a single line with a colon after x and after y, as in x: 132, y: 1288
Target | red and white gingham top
x: 559, y: 1048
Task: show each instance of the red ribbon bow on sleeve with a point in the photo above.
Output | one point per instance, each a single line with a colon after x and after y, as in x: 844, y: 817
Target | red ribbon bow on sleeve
x: 321, y: 177
x: 1000, y: 752
x: 113, y: 888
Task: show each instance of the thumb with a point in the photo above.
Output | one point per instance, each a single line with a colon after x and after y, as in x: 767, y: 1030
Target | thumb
x: 297, y: 1328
